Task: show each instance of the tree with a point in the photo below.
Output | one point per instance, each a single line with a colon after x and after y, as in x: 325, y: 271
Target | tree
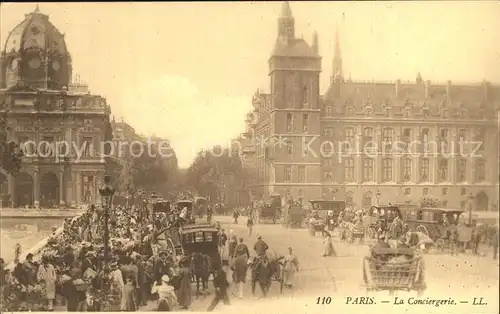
x: 214, y: 171
x: 10, y: 153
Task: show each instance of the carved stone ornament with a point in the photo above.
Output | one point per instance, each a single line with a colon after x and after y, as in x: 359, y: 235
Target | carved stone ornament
x: 89, y: 129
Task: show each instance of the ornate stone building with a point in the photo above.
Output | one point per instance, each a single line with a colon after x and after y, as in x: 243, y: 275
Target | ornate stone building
x: 370, y: 142
x: 60, y: 126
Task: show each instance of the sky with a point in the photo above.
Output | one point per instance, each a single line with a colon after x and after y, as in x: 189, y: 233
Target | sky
x: 187, y: 71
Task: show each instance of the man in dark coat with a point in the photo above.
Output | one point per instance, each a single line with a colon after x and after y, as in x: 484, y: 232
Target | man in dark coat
x: 90, y: 304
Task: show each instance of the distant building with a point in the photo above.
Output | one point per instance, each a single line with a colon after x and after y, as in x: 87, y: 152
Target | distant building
x: 351, y: 116
x: 58, y: 123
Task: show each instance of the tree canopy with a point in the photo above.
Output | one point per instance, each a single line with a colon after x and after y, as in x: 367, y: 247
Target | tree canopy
x: 214, y: 170
x: 10, y: 153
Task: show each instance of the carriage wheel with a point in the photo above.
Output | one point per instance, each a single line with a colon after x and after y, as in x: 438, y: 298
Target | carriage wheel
x: 440, y: 245
x: 422, y: 229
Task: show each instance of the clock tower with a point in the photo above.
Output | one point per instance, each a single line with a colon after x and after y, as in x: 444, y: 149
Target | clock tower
x: 294, y: 71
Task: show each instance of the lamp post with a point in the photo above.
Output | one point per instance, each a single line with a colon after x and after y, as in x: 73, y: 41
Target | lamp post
x: 378, y: 198
x: 107, y: 193
x: 471, y: 200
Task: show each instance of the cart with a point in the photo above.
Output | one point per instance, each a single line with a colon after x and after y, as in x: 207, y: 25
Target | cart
x: 393, y: 269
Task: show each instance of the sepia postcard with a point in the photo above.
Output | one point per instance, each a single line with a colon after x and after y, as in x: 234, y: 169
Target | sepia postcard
x: 281, y: 156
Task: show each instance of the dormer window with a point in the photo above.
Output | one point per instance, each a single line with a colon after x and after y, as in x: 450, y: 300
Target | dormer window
x: 463, y: 113
x: 387, y: 111
x: 426, y: 112
x: 368, y: 111
x: 328, y: 111
x: 444, y: 113
x: 407, y: 112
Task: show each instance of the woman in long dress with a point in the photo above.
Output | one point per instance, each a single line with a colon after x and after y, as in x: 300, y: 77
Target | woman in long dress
x: 291, y: 267
x: 184, y: 292
x: 47, y: 276
x: 328, y: 246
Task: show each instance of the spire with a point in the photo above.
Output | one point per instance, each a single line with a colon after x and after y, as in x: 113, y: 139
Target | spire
x: 337, y: 73
x: 315, y: 43
x: 37, y: 8
x: 286, y: 12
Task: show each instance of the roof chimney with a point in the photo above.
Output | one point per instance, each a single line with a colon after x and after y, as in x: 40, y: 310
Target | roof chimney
x: 398, y: 87
x: 427, y: 87
x: 315, y: 44
x: 448, y: 90
x: 419, y: 78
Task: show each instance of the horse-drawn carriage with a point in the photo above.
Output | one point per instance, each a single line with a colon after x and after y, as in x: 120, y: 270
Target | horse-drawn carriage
x: 436, y: 223
x: 161, y: 208
x: 267, y: 269
x: 200, y: 206
x: 188, y: 204
x: 325, y: 214
x: 293, y: 215
x: 382, y: 216
x: 394, y: 269
x: 201, y: 244
x: 271, y: 209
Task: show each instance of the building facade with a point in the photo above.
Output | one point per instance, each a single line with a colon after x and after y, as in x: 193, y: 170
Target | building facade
x: 60, y: 126
x: 370, y: 142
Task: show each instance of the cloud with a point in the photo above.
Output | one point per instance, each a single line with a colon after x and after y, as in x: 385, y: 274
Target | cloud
x: 172, y: 107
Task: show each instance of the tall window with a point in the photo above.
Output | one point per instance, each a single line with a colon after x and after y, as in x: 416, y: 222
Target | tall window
x: 88, y: 184
x: 367, y: 169
x: 480, y: 170
x: 387, y: 139
x: 349, y: 139
x: 387, y: 169
x: 349, y: 169
x: 406, y: 138
x: 461, y: 170
x: 368, y: 143
x: 407, y: 163
x: 47, y: 146
x: 289, y: 148
x: 88, y: 147
x: 302, y: 174
x: 479, y: 138
x: 424, y: 169
x: 443, y: 140
x: 305, y: 95
x: 289, y: 122
x: 443, y: 169
x: 460, y: 144
x: 305, y: 122
x: 425, y: 138
x: 288, y: 173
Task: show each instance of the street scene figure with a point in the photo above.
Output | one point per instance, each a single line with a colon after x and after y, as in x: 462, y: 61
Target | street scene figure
x: 141, y: 169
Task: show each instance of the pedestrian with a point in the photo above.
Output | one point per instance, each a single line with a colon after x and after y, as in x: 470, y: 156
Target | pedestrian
x: 291, y: 267
x: 240, y: 266
x: 250, y: 225
x: 222, y: 240
x: 494, y: 242
x: 167, y: 300
x: 116, y: 289
x: 221, y: 285
x: 184, y: 292
x: 328, y: 249
x: 236, y: 214
x: 90, y: 304
x: 128, y: 295
x: 232, y: 243
x: 47, y: 276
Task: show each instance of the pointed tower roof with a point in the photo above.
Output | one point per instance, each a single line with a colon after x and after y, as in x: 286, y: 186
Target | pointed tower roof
x: 286, y: 11
x: 337, y: 42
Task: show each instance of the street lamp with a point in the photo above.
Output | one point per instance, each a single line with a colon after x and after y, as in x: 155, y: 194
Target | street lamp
x: 471, y: 201
x: 378, y: 197
x: 107, y: 193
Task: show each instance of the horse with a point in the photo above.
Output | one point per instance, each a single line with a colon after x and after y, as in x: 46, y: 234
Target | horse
x: 263, y: 271
x: 201, y: 268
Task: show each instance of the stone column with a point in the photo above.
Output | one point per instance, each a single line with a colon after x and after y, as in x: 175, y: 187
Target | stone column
x: 78, y: 189
x: 36, y: 186
x: 61, y: 186
x: 358, y: 157
x: 377, y: 162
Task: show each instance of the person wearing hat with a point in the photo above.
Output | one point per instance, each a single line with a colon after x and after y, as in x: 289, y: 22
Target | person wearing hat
x: 260, y: 247
x: 167, y: 300
x: 221, y: 285
x: 328, y: 249
x: 90, y: 304
x: 240, y: 266
x: 47, y: 276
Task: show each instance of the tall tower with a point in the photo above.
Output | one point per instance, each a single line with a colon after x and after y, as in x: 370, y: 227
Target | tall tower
x: 337, y: 72
x: 294, y: 70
